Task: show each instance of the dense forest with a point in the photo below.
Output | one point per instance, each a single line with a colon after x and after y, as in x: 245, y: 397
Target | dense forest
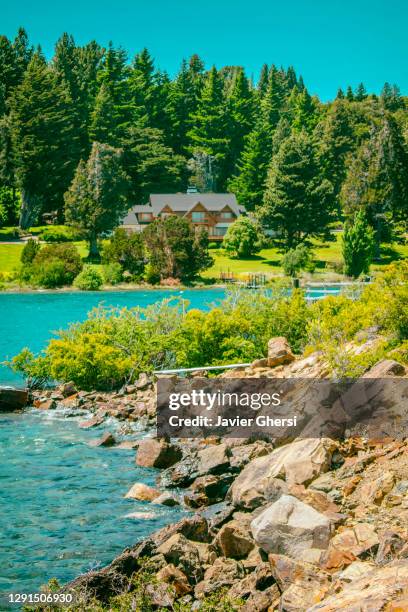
x: 299, y: 163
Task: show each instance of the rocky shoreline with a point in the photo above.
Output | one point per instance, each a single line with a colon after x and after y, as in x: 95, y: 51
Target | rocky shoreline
x: 313, y: 524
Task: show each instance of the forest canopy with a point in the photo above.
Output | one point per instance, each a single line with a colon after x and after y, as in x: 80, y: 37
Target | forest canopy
x: 298, y: 163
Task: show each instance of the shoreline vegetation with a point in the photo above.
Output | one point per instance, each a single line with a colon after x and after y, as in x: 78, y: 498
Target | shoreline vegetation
x: 113, y: 345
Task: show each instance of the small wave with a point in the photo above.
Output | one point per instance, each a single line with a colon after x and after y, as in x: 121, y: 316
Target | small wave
x: 140, y: 515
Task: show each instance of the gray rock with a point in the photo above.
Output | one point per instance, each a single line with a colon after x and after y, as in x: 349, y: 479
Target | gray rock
x: 166, y: 499
x: 297, y: 463
x: 289, y: 527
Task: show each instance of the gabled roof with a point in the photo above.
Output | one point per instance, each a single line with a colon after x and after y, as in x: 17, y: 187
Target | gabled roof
x: 184, y: 202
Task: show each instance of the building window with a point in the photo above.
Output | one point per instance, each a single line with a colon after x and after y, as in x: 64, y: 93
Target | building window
x: 219, y: 231
x: 197, y: 217
x: 164, y: 215
x: 226, y: 214
x: 145, y: 217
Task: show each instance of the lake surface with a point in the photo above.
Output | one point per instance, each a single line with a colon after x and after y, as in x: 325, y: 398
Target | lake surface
x: 61, y: 505
x: 29, y: 319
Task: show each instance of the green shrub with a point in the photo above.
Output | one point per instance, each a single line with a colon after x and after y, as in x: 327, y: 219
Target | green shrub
x: 89, y: 279
x: 388, y: 296
x: 243, y: 238
x: 151, y: 275
x: 112, y: 273
x: 400, y: 353
x: 29, y: 252
x: 50, y: 274
x: 127, y: 250
x: 34, y: 369
x: 59, y: 234
x: 54, y: 265
x: 113, y: 346
x: 297, y: 259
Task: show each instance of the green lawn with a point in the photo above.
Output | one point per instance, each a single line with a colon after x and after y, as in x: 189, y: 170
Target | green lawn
x: 326, y: 256
x: 267, y: 261
x: 10, y: 256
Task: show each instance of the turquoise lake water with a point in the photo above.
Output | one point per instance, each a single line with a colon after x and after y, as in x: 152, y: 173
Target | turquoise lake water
x: 61, y: 505
x: 62, y: 510
x: 29, y: 319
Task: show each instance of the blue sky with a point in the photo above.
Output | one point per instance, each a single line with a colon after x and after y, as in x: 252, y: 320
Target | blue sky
x: 330, y: 42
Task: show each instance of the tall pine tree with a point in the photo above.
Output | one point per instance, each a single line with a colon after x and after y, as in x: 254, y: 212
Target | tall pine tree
x: 44, y: 143
x: 297, y: 201
x: 208, y: 126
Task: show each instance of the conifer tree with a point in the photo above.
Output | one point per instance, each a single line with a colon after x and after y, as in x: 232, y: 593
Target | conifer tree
x: 273, y: 100
x: 44, y: 143
x: 151, y: 165
x: 249, y: 183
x: 182, y: 102
x: 8, y: 69
x: 263, y: 81
x: 114, y: 109
x: 96, y: 200
x: 297, y: 201
x: 377, y: 180
x: 361, y: 93
x: 240, y: 113
x: 208, y: 132
x: 304, y: 113
x: 349, y: 94
x: 358, y: 245
x: 391, y: 97
x: 150, y: 91
x: 336, y: 142
x: 23, y: 53
x: 291, y: 79
x: 340, y: 94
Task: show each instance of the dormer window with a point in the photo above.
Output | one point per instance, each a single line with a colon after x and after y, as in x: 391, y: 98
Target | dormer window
x: 145, y: 217
x: 197, y: 217
x: 226, y: 214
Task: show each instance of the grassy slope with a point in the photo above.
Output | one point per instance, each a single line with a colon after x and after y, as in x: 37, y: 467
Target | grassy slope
x: 267, y: 261
x: 10, y: 257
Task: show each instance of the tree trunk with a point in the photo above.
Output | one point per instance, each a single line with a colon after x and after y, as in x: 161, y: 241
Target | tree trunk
x: 25, y: 211
x: 377, y: 235
x: 94, y: 254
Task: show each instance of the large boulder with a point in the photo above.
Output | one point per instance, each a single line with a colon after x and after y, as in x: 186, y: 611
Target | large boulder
x: 183, y: 554
x: 223, y: 573
x: 235, y: 540
x: 381, y: 588
x: 290, y: 527
x: 296, y: 463
x: 207, y: 490
x: 386, y: 367
x: 107, y: 439
x: 173, y: 576
x: 213, y: 460
x: 157, y: 453
x: 142, y: 492
x: 279, y: 352
x: 355, y: 540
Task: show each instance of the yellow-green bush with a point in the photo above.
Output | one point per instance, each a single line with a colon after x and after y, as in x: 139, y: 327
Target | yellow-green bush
x: 113, y: 346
